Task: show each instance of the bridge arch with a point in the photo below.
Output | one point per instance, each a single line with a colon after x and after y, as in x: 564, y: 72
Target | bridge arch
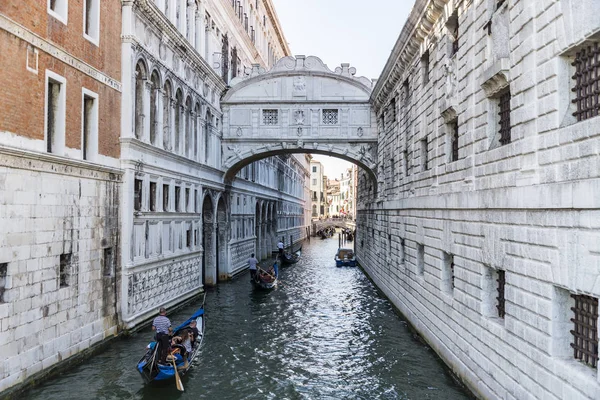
x: 299, y: 106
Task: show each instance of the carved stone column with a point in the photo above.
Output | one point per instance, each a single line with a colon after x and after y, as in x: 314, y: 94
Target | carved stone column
x: 159, y: 118
x: 200, y: 30
x: 191, y: 22
x: 146, y: 114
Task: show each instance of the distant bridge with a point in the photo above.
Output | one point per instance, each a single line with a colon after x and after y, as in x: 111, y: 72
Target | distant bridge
x: 335, y: 222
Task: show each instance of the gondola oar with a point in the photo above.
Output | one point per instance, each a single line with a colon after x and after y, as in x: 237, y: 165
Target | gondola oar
x: 177, y: 378
x: 267, y: 272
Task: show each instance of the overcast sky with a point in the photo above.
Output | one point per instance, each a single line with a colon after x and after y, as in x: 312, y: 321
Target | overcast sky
x: 361, y: 33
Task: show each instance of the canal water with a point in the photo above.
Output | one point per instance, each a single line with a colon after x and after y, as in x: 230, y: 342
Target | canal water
x: 324, y: 333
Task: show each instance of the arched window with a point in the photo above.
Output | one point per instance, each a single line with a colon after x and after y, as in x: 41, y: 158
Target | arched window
x: 140, y: 78
x: 167, y: 93
x: 178, y: 122
x: 197, y: 133
x: 188, y: 127
x: 155, y: 92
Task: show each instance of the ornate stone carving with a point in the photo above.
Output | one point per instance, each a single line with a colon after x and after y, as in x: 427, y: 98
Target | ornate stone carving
x: 299, y: 86
x: 359, y: 131
x: 365, y: 154
x: 299, y: 131
x: 239, y: 132
x: 299, y: 117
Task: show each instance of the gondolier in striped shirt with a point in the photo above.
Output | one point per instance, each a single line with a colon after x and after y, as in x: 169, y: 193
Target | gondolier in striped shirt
x: 162, y: 326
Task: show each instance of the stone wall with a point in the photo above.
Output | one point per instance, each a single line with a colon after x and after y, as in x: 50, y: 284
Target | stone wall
x: 58, y: 258
x: 443, y: 228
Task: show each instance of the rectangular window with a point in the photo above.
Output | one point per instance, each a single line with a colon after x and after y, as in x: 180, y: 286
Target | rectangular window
x: 330, y: 117
x: 453, y: 127
x: 187, y: 200
x: 3, y: 274
x: 107, y: 261
x: 504, y: 120
x: 59, y: 9
x: 64, y: 274
x: 424, y: 155
x: 177, y: 198
x: 402, y: 250
x: 188, y: 238
x: 452, y: 27
x: 448, y: 273
x: 165, y: 196
x: 314, y: 182
x: 587, y: 74
x: 91, y: 20
x: 585, y: 332
x: 405, y: 92
x: 196, y: 201
x: 425, y: 67
x: 420, y: 259
x: 89, y: 134
x: 406, y: 164
x: 55, y: 112
x: 137, y: 194
x: 314, y: 169
x: 152, y: 196
x: 270, y: 117
x: 500, y: 306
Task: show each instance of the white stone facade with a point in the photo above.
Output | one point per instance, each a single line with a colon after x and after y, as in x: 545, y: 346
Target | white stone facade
x: 520, y: 207
x: 318, y: 189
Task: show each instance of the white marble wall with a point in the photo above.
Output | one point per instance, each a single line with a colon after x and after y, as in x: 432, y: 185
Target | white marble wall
x: 530, y: 208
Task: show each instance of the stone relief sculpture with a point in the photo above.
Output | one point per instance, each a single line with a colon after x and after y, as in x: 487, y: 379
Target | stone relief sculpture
x: 299, y: 86
x: 449, y: 73
x: 239, y: 132
x: 365, y: 155
x: 299, y: 117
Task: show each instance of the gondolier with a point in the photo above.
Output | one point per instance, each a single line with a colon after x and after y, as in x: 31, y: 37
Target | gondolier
x: 162, y: 326
x: 252, y: 262
x: 280, y: 247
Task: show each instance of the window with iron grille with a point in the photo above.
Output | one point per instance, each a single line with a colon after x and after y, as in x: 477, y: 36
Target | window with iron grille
x: 454, y: 133
x: 452, y: 26
x: 3, y: 273
x: 587, y: 82
x: 64, y: 271
x: 504, y: 120
x: 448, y: 273
x: 152, y: 196
x: 500, y: 298
x: 424, y: 155
x: 425, y: 67
x: 270, y: 117
x: 585, y: 332
x: 330, y: 117
x: 137, y: 194
x: 420, y: 259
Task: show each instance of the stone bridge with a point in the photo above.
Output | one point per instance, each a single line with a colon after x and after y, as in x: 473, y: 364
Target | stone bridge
x: 299, y: 106
x: 342, y: 223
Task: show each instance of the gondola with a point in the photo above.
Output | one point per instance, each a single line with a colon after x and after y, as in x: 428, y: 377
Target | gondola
x: 152, y: 371
x: 291, y: 258
x: 264, y: 280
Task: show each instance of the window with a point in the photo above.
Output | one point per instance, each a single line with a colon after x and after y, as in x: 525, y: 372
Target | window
x: 91, y: 20
x: 59, y: 9
x: 152, y: 196
x: 188, y: 237
x: 504, y: 120
x: 55, y: 112
x: 196, y: 201
x: 402, y: 250
x: 448, y: 273
x: 137, y: 194
x: 330, y: 117
x: 107, y: 261
x: 424, y: 155
x: 89, y: 128
x: 585, y: 331
x: 177, y: 198
x: 452, y: 27
x: 453, y: 130
x: 425, y: 67
x: 406, y: 166
x: 314, y: 182
x: 405, y: 92
x: 587, y: 73
x: 165, y: 196
x: 314, y: 169
x: 3, y: 273
x: 500, y: 306
x: 420, y: 259
x: 270, y: 117
x: 64, y: 274
x: 187, y: 199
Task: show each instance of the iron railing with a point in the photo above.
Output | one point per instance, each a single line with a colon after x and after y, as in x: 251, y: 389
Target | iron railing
x: 587, y: 82
x: 585, y: 334
x: 504, y: 113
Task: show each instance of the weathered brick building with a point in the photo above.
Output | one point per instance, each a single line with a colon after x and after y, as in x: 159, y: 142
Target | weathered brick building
x: 484, y: 229
x: 59, y: 180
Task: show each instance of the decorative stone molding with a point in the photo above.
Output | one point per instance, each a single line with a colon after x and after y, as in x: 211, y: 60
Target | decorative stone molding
x: 496, y: 78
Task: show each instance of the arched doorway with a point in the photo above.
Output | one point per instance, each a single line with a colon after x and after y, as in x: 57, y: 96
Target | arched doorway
x: 209, y: 242
x: 222, y: 241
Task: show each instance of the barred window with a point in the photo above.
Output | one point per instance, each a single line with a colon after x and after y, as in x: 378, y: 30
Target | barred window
x: 585, y: 334
x: 500, y: 299
x: 454, y: 132
x: 270, y: 117
x: 504, y: 121
x: 330, y: 117
x: 587, y: 82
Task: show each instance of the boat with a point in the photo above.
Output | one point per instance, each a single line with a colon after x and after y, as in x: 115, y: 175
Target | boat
x: 291, y: 258
x: 265, y: 280
x: 152, y: 371
x: 345, y: 257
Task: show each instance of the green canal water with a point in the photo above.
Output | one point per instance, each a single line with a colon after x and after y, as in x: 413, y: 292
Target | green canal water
x: 324, y: 333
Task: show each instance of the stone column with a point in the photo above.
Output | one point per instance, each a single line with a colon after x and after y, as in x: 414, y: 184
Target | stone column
x: 146, y: 107
x: 159, y: 118
x: 172, y: 110
x: 183, y: 17
x: 200, y: 33
x: 191, y: 21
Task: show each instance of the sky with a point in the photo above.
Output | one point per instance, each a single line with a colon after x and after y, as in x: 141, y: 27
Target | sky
x: 361, y: 33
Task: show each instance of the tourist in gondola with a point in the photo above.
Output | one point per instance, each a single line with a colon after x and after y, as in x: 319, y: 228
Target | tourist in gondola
x: 252, y: 262
x: 194, y: 330
x: 162, y: 326
x: 182, y: 344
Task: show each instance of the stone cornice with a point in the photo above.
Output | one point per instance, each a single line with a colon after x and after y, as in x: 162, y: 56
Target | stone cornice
x: 275, y: 19
x: 419, y: 25
x: 185, y: 50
